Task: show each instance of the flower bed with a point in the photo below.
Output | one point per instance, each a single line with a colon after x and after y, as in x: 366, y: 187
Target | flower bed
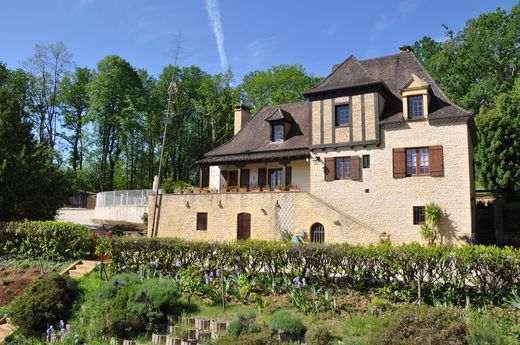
x: 470, y: 274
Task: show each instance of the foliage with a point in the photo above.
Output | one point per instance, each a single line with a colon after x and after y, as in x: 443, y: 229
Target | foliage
x: 171, y: 186
x: 420, y: 325
x: 261, y: 338
x: 244, y: 323
x: 45, y: 302
x: 358, y: 329
x: 318, y: 334
x: 31, y: 184
x: 284, y: 322
x: 279, y: 84
x: 45, y: 240
x: 430, y: 228
x: 133, y: 306
x: 473, y: 274
x: 488, y: 327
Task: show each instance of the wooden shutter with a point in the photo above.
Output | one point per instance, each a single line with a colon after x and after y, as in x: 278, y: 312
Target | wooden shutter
x: 436, y: 161
x: 244, y: 178
x: 286, y: 129
x: 202, y: 221
x: 355, y: 168
x: 330, y: 169
x: 288, y: 175
x: 262, y: 174
x: 399, y: 163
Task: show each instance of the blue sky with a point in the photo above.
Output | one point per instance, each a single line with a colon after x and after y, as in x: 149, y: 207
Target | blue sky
x: 247, y: 35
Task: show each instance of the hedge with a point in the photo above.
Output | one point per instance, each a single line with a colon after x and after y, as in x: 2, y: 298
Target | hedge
x: 49, y: 240
x: 469, y: 274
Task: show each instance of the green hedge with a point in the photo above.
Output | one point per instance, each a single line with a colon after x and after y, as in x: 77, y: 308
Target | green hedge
x: 49, y: 240
x: 468, y: 274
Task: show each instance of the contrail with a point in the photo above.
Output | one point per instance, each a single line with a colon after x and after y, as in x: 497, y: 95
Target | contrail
x: 214, y: 18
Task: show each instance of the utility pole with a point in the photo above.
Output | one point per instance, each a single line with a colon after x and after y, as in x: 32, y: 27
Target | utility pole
x: 172, y: 91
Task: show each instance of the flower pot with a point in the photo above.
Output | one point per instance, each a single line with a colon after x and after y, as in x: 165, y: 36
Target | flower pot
x: 294, y: 189
x: 255, y: 190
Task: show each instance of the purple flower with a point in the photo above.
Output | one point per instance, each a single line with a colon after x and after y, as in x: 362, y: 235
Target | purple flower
x: 123, y: 268
x: 50, y: 329
x: 177, y: 263
x: 207, y: 278
x: 63, y: 330
x: 307, y: 271
x: 217, y: 272
x: 236, y: 268
x: 238, y: 258
x: 297, y: 282
x: 62, y: 323
x: 304, y: 283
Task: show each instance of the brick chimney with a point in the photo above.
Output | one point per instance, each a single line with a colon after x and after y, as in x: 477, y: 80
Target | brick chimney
x: 242, y: 115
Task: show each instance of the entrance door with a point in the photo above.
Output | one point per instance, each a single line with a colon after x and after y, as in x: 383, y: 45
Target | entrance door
x: 243, y: 226
x: 275, y: 178
x: 317, y: 233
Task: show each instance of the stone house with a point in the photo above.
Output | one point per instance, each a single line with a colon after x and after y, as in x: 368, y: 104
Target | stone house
x: 372, y: 143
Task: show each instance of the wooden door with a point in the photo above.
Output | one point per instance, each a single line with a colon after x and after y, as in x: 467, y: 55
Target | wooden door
x: 228, y: 179
x: 244, y: 178
x: 317, y: 233
x: 243, y: 226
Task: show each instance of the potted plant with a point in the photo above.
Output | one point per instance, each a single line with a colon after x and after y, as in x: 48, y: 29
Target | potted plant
x: 293, y: 188
x: 266, y: 189
x: 288, y: 326
x: 279, y: 188
x: 430, y: 227
x: 255, y: 189
x: 231, y: 189
x: 242, y: 189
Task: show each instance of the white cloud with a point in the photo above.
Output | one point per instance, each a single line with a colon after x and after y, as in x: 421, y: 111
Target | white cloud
x: 259, y: 48
x: 214, y: 19
x: 390, y: 18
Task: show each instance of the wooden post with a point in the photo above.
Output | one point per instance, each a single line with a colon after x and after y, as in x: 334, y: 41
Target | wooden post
x: 200, y: 178
x: 239, y: 178
x: 284, y: 172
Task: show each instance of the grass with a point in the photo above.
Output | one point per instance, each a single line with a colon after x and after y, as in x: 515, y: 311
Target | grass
x: 10, y: 262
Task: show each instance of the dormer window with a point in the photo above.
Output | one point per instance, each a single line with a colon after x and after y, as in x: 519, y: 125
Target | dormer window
x: 277, y: 131
x: 415, y: 107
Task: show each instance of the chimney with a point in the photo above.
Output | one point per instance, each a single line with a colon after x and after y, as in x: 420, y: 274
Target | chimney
x: 405, y: 48
x: 242, y: 115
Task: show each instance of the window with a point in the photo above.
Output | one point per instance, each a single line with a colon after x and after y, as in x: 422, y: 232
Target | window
x: 342, y: 113
x: 317, y: 233
x: 275, y: 178
x: 343, y: 168
x: 418, y: 215
x: 277, y: 132
x: 202, y: 221
x: 415, y: 107
x: 366, y: 161
x: 417, y: 162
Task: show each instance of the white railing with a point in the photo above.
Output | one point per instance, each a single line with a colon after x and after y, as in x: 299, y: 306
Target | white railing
x: 124, y: 198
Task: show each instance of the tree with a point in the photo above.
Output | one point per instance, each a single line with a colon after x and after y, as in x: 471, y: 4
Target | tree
x: 74, y: 99
x: 279, y: 84
x: 46, y: 68
x: 115, y: 94
x: 31, y: 185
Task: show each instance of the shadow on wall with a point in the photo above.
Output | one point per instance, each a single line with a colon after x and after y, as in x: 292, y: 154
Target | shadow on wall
x: 448, y: 230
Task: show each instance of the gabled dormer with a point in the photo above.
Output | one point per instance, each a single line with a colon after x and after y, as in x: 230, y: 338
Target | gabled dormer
x: 281, y: 122
x: 416, y: 99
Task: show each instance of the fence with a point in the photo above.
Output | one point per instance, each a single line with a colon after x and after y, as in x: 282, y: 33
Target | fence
x: 124, y: 198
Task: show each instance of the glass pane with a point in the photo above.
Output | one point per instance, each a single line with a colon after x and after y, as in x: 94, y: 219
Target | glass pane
x: 277, y: 132
x: 342, y: 115
x: 424, y: 163
x: 411, y: 162
x: 415, y: 106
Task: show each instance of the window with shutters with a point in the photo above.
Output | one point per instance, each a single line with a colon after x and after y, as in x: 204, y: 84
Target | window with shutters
x: 202, y: 221
x: 417, y: 161
x: 418, y: 215
x: 415, y: 107
x: 343, y: 168
x: 366, y: 161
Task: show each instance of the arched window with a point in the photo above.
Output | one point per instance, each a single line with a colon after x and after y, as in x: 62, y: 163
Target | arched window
x: 317, y: 233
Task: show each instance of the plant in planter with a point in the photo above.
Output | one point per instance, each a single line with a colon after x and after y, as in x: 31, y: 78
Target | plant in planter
x: 231, y: 189
x: 430, y: 228
x: 288, y: 326
x: 293, y: 188
x: 242, y: 189
x: 279, y: 188
x: 255, y: 189
x: 266, y: 189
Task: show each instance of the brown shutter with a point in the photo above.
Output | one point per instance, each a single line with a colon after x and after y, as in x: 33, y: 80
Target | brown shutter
x: 202, y: 221
x: 286, y: 129
x: 223, y: 181
x: 288, y: 175
x: 355, y: 168
x: 244, y: 178
x: 329, y: 169
x: 436, y: 161
x: 262, y: 172
x: 399, y: 163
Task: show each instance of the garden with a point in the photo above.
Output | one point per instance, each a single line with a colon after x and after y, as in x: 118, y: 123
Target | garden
x: 173, y: 291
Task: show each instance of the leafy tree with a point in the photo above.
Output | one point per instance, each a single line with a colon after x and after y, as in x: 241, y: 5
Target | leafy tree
x: 279, y: 84
x: 31, y: 185
x: 115, y: 96
x: 74, y: 101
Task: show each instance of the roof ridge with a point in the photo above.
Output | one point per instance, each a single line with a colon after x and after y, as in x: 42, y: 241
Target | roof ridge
x: 331, y: 73
x: 382, y: 57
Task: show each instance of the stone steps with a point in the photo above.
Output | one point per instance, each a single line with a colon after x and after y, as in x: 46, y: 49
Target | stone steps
x: 80, y: 268
x: 6, y: 329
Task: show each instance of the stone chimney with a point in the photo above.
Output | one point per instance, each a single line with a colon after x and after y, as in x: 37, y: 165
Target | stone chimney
x: 405, y: 48
x: 242, y: 115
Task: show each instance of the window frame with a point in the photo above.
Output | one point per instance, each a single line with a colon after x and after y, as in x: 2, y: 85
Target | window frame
x: 412, y: 101
x: 346, y: 170
x: 275, y: 125
x: 366, y: 161
x: 199, y: 224
x: 419, y: 215
x: 337, y: 122
x: 419, y: 157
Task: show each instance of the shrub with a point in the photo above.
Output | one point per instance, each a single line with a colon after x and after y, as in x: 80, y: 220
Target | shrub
x: 421, y: 326
x: 493, y: 328
x: 318, y: 335
x: 243, y: 324
x: 261, y: 338
x: 45, y: 302
x: 284, y: 322
x: 48, y: 240
x: 358, y: 329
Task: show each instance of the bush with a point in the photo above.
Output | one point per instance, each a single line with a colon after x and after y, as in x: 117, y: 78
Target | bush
x: 358, y: 329
x: 420, y: 326
x: 243, y: 324
x: 318, y: 335
x: 446, y: 275
x: 45, y: 302
x: 261, y: 338
x: 493, y: 328
x: 48, y: 240
x: 284, y: 322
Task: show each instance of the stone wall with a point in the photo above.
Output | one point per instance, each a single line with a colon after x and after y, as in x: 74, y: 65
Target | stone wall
x: 270, y: 213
